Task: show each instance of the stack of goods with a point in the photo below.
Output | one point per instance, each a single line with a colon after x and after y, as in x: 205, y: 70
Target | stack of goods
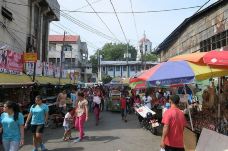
x: 204, y: 119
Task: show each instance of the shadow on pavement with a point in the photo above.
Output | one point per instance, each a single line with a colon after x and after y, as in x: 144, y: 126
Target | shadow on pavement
x: 106, y: 139
x: 68, y: 149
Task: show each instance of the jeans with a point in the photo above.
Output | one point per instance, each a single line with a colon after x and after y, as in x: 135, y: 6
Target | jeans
x: 11, y: 145
x: 79, y: 125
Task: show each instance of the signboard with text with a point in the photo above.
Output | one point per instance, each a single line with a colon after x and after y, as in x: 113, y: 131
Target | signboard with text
x: 29, y: 57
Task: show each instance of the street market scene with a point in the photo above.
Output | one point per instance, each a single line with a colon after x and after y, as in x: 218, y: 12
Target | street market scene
x: 110, y: 75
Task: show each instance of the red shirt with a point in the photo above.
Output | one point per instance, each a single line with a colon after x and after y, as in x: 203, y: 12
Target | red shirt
x: 123, y: 102
x: 176, y: 121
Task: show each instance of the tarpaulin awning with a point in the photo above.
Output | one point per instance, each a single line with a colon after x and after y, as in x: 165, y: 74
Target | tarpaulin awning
x: 51, y: 80
x: 46, y: 80
x: 9, y: 79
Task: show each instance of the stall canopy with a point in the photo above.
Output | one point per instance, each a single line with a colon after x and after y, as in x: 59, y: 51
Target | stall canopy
x: 178, y: 72
x: 50, y: 80
x: 47, y: 80
x: 216, y: 58
x: 10, y: 79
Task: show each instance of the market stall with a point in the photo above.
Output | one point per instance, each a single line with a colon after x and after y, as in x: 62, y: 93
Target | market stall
x: 188, y: 71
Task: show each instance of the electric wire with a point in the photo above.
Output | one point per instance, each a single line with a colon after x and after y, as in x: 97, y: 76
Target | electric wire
x: 78, y: 23
x: 119, y: 21
x: 202, y: 6
x: 124, y: 12
x: 135, y: 12
x: 102, y: 21
x: 88, y: 5
x: 87, y: 27
x: 64, y: 28
x: 136, y: 30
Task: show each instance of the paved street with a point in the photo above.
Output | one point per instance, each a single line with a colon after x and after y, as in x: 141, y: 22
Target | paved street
x: 111, y: 135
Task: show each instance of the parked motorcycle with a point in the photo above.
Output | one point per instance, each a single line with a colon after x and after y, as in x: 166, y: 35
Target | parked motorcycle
x: 147, y: 118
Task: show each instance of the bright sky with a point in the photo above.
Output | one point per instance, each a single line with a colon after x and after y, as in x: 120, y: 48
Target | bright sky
x: 157, y: 26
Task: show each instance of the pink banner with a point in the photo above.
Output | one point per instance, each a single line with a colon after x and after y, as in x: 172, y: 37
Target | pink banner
x: 11, y: 62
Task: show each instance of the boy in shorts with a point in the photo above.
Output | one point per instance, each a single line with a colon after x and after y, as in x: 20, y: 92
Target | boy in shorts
x: 67, y: 124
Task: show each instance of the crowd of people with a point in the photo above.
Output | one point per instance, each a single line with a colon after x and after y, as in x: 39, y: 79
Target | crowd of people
x: 82, y: 102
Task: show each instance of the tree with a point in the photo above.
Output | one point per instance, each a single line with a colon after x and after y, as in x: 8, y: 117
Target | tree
x: 113, y: 52
x: 150, y: 57
x: 94, y: 62
x: 106, y: 79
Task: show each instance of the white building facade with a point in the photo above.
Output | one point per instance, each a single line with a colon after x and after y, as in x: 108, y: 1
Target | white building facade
x: 75, y: 55
x: 144, y: 47
x: 123, y: 69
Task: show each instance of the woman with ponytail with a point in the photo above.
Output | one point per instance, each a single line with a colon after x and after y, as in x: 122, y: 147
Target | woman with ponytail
x: 12, y: 122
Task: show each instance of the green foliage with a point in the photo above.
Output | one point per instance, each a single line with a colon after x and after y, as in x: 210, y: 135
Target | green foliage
x: 106, y: 79
x: 150, y: 57
x: 94, y: 62
x: 113, y: 52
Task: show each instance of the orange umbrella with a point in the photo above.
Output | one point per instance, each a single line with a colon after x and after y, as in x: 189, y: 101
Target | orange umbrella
x: 192, y: 57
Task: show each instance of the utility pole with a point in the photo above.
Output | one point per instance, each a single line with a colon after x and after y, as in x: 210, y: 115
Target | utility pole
x: 127, y: 62
x: 71, y: 64
x: 61, y: 57
x: 98, y: 69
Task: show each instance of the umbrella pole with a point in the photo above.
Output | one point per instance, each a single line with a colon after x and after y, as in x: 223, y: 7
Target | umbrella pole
x: 219, y: 97
x: 189, y: 112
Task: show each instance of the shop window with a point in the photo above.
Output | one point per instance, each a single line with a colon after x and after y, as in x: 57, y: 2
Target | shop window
x: 139, y: 68
x: 67, y: 48
x: 52, y: 60
x: 52, y: 47
x: 223, y: 39
x: 218, y: 41
x: 214, y: 42
x: 110, y: 69
x: 124, y: 68
x: 117, y: 68
x: 132, y: 68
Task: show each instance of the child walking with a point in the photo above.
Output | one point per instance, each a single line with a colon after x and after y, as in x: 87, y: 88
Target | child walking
x: 68, y: 124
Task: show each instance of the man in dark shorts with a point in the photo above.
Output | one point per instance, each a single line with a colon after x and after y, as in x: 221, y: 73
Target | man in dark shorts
x: 39, y: 114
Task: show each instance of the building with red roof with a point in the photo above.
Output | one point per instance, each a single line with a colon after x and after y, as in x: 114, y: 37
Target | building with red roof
x: 75, y: 54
